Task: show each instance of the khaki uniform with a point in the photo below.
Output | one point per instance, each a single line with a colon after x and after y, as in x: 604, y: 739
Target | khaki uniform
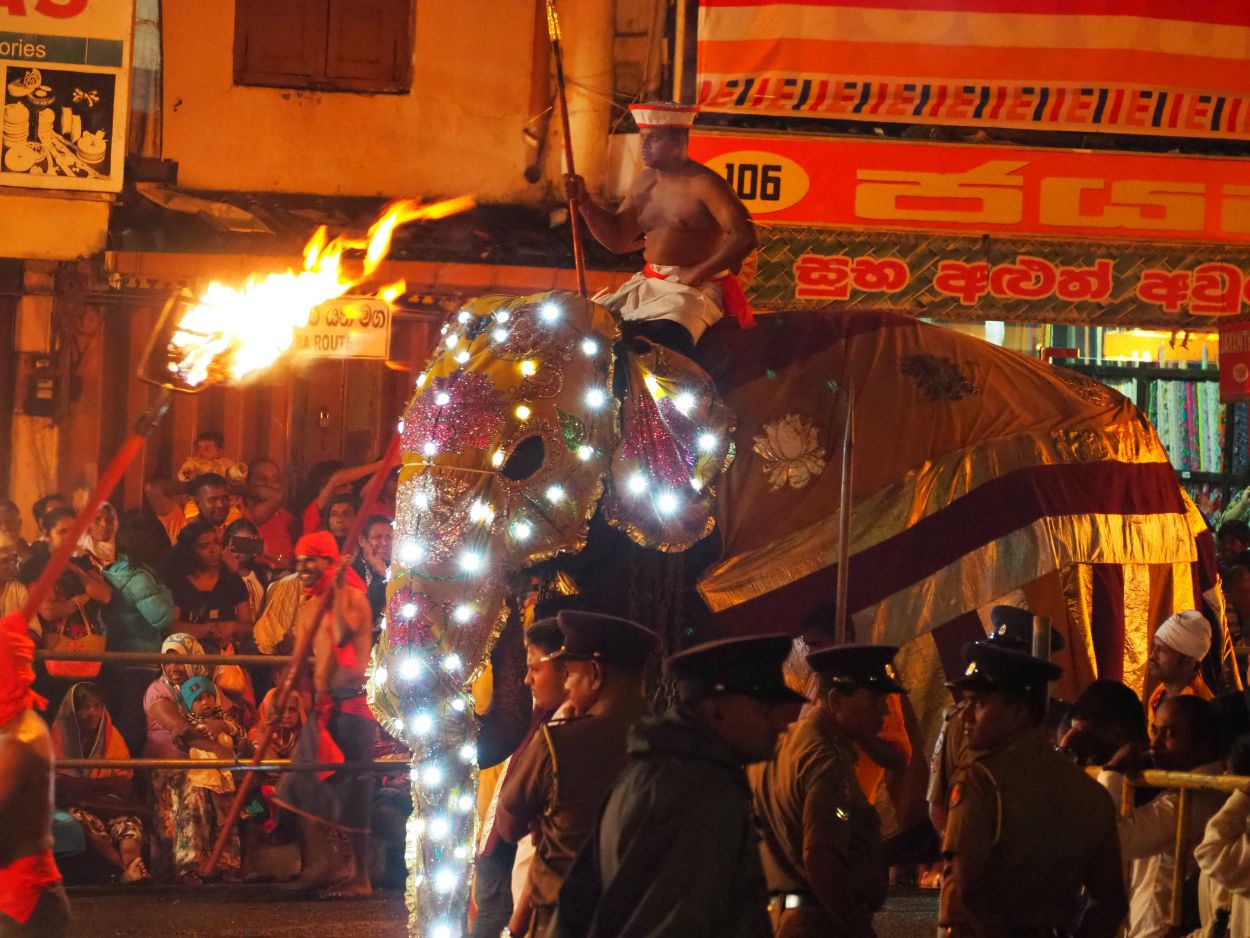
x: 808, y: 798
x: 560, y: 781
x: 951, y: 753
x: 1040, y: 825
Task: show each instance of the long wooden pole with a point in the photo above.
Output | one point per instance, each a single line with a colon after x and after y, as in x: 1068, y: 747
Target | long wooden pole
x: 303, y: 645
x: 841, y: 610
x: 575, y: 218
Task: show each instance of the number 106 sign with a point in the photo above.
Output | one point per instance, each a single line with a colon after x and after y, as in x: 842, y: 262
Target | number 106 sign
x: 349, y: 327
x: 765, y: 182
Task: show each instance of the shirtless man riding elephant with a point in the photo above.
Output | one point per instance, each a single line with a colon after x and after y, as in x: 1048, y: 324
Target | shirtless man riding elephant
x: 693, y: 229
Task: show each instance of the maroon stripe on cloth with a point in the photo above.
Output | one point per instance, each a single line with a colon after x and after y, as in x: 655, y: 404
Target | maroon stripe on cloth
x: 1107, y: 620
x: 951, y: 637
x: 1205, y: 570
x: 993, y: 510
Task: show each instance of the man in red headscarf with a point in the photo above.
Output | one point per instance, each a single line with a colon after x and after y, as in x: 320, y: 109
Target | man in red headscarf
x: 342, y: 727
x: 32, y: 902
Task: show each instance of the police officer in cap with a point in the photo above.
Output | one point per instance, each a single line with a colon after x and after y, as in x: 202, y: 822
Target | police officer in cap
x: 676, y: 854
x: 1010, y: 627
x: 604, y: 659
x: 821, y: 839
x: 1026, y: 829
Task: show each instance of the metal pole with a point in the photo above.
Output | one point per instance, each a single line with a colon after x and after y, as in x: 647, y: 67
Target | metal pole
x: 303, y: 645
x: 156, y: 658
x: 1157, y: 778
x: 841, y: 607
x: 1178, y: 869
x: 575, y: 218
x: 1041, y: 638
x: 230, y: 765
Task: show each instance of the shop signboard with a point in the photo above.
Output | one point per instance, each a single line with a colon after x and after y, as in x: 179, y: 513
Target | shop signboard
x: 1235, y: 361
x: 66, y: 69
x: 849, y: 183
x: 1154, y: 68
x: 1017, y: 279
x: 349, y: 327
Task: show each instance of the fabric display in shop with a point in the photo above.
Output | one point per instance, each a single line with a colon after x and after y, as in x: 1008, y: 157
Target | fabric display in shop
x: 1189, y: 418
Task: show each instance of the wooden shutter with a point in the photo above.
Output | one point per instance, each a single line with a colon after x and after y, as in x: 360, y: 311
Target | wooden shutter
x: 370, y: 44
x: 280, y: 42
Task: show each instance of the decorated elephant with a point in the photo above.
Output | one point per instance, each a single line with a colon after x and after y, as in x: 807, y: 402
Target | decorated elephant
x: 537, y: 439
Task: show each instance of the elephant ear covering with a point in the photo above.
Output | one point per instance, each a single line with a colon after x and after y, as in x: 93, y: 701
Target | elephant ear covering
x: 676, y: 441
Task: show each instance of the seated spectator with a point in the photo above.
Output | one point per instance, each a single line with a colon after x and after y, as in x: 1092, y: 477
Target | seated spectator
x: 187, y: 819
x: 210, y: 495
x: 1224, y: 854
x: 93, y: 588
x: 1232, y: 543
x: 139, y: 614
x: 338, y: 517
x: 208, y: 456
x: 101, y: 800
x: 275, y: 628
x: 200, y: 697
x: 13, y: 593
x: 372, y: 562
x: 45, y: 504
x: 262, y: 505
x: 100, y: 541
x: 1106, y: 717
x: 335, y: 481
x: 212, y: 602
x: 1176, y: 654
x: 1185, y: 738
x: 240, y: 549
x: 11, y: 524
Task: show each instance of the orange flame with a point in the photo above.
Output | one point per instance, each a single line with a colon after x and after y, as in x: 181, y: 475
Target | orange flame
x: 234, y: 331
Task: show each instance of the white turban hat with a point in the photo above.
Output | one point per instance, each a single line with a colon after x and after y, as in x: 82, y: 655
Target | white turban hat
x: 1188, y: 632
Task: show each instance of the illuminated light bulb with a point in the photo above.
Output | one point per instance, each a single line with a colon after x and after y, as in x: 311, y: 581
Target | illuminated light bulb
x: 596, y: 397
x: 399, y: 427
x: 457, y: 704
x: 666, y: 503
x: 452, y: 663
x: 422, y: 724
x: 439, y: 828
x: 464, y: 316
x: 637, y: 483
x: 500, y: 335
x: 590, y: 347
x: 442, y: 399
x: 409, y: 669
x: 497, y: 458
x: 696, y: 485
x: 411, y: 552
x: 441, y: 930
x: 461, y: 853
x: 445, y: 880
x: 584, y: 452
x: 684, y: 402
x: 418, y: 825
x: 453, y: 340
x: 529, y: 368
x: 522, y: 412
x: 502, y: 316
x: 470, y: 562
x: 481, y: 512
x: 421, y: 379
x: 549, y: 312
x: 431, y: 776
x: 555, y: 494
x: 379, y: 677
x: 430, y: 448
x: 421, y: 500
x: 522, y: 530
x: 652, y: 385
x: 462, y: 356
x: 465, y: 803
x: 708, y: 442
x: 409, y: 610
x: 463, y: 614
x: 443, y: 331
x: 468, y: 753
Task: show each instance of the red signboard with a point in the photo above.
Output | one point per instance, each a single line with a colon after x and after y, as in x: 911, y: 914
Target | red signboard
x: 852, y: 184
x: 1235, y: 361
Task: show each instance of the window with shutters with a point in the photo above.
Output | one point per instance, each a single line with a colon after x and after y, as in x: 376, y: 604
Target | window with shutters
x: 326, y: 45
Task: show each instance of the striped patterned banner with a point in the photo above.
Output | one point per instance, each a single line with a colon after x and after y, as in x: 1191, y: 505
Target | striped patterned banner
x: 1117, y: 66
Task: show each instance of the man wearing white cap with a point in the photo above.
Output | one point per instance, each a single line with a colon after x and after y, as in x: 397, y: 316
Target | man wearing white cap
x: 1180, y: 644
x: 695, y: 233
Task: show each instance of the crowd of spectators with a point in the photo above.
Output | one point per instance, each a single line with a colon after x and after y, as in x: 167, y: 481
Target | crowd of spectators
x: 204, y: 567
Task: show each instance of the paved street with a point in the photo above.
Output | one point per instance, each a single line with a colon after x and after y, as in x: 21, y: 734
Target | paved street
x: 245, y: 911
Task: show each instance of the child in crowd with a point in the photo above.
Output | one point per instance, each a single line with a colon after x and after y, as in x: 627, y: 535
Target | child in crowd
x: 207, y: 456
x: 202, y: 700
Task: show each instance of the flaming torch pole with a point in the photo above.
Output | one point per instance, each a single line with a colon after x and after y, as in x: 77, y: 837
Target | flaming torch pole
x: 575, y: 219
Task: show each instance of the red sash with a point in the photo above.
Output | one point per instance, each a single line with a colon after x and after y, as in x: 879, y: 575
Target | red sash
x: 23, y: 881
x: 735, y: 299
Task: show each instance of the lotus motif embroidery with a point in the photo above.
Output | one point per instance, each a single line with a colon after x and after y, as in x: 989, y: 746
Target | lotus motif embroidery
x: 791, y: 450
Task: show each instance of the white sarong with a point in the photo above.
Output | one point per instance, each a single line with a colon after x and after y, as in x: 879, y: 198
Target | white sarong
x: 642, y: 297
